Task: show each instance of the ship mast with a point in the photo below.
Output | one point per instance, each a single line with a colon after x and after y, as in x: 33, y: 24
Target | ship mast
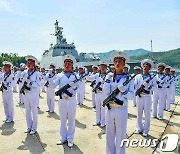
x: 151, y: 47
x: 58, y: 33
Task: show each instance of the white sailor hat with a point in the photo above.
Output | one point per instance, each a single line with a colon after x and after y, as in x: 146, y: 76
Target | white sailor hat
x: 127, y: 66
x: 148, y: 61
x: 119, y: 54
x: 112, y: 66
x: 103, y: 63
x: 80, y: 67
x: 69, y: 57
x: 22, y: 64
x: 7, y: 63
x: 173, y: 70
x: 137, y: 68
x: 95, y: 66
x: 168, y: 67
x: 161, y: 65
x: 52, y: 64
x: 30, y: 57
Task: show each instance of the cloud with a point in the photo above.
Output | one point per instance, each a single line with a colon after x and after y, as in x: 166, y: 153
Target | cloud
x: 5, y: 6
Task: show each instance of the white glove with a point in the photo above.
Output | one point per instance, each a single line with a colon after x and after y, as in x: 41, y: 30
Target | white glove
x: 122, y: 88
x: 101, y: 80
x: 109, y: 77
x: 73, y: 85
x: 159, y: 80
x: 145, y: 84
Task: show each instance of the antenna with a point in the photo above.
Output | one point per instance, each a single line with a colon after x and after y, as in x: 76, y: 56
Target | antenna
x: 151, y: 47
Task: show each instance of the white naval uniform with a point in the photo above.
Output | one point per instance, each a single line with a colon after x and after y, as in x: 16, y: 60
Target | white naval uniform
x: 31, y: 99
x: 21, y: 75
x: 67, y: 106
x: 168, y: 93
x: 7, y: 96
x: 159, y: 95
x: 39, y: 87
x: 116, y: 118
x: 50, y: 92
x: 43, y: 88
x: 144, y: 103
x: 81, y: 89
x: 15, y: 81
x: 92, y: 78
x: 173, y: 88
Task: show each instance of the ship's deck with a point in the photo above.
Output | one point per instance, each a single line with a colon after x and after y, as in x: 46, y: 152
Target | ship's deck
x: 88, y: 139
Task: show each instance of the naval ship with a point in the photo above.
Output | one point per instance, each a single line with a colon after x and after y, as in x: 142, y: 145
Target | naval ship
x: 55, y: 52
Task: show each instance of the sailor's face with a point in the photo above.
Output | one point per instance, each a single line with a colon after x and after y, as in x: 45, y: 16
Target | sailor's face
x: 160, y: 69
x: 137, y: 71
x: 51, y: 67
x: 95, y: 70
x: 119, y: 63
x: 68, y: 66
x: 80, y: 70
x: 103, y: 68
x: 172, y: 73
x: 167, y: 70
x: 125, y: 70
x: 6, y: 68
x: 30, y: 64
x: 146, y: 68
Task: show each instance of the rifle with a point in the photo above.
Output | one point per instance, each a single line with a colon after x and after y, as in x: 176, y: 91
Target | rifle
x: 112, y: 98
x: 65, y: 88
x: 25, y: 87
x: 93, y: 83
x: 18, y: 81
x: 47, y: 83
x: 141, y: 89
x: 3, y: 87
x: 99, y: 84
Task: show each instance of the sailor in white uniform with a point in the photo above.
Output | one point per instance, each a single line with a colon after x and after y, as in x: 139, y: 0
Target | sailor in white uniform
x: 137, y: 71
x: 126, y: 68
x: 93, y: 82
x: 117, y: 115
x: 43, y: 74
x: 100, y: 95
x: 50, y: 88
x: 144, y: 101
x: 169, y: 78
x: 81, y: 90
x: 15, y: 72
x: 31, y: 83
x: 21, y: 74
x: 159, y: 92
x: 67, y: 102
x: 173, y: 85
x: 7, y: 83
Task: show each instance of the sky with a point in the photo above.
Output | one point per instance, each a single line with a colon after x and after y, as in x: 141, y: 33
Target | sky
x: 93, y: 25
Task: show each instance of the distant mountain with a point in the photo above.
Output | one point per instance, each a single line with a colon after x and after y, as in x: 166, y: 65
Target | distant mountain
x: 104, y: 56
x: 171, y: 57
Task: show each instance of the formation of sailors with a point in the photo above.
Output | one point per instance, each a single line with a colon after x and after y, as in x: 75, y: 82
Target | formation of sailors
x: 149, y: 92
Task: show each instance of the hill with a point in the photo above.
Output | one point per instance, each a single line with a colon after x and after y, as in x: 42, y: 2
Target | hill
x: 171, y: 57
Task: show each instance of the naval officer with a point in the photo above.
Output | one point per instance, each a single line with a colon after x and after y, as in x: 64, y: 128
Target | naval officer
x: 67, y: 103
x: 159, y: 93
x: 137, y: 71
x: 31, y: 83
x: 117, y: 116
x: 144, y: 101
x: 50, y: 88
x: 7, y: 83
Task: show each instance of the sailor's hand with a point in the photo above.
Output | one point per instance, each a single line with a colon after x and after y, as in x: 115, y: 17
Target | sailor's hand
x: 146, y: 84
x: 122, y: 88
x: 73, y: 85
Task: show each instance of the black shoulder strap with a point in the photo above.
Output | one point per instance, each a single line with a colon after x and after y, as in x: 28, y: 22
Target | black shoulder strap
x: 7, y: 76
